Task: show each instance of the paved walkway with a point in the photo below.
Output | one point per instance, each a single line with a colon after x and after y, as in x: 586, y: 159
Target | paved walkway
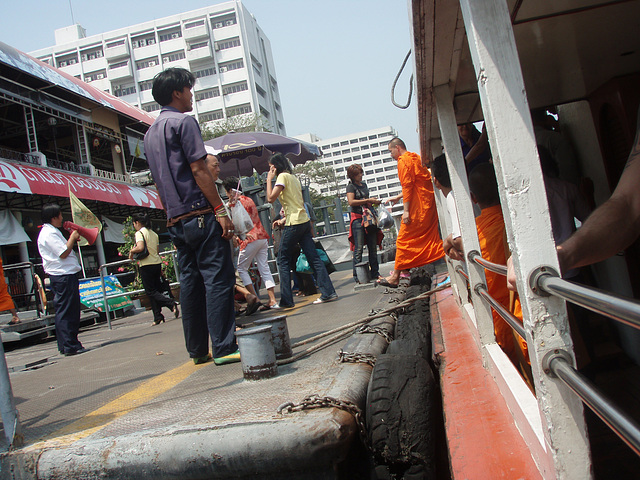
x: 138, y: 377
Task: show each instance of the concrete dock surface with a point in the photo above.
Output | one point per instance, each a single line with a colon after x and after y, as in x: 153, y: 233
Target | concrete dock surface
x: 136, y: 388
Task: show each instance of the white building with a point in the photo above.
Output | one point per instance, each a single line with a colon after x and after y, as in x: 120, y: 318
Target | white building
x: 222, y: 45
x: 368, y: 149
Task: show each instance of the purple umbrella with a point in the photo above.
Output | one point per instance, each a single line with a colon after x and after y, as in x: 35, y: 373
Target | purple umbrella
x: 252, y: 150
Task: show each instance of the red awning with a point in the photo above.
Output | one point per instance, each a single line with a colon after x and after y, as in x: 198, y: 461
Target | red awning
x: 32, y: 180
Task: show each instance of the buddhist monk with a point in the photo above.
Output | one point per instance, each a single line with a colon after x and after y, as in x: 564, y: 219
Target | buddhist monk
x: 418, y: 241
x: 493, y: 246
x: 6, y: 302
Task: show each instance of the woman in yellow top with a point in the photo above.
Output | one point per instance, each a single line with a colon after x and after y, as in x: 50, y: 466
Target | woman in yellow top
x: 297, y: 229
x: 151, y: 268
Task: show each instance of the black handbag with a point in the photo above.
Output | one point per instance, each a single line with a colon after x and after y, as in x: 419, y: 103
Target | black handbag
x: 144, y: 253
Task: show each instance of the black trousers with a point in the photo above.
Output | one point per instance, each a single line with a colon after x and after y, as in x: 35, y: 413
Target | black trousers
x: 66, y: 299
x: 154, y: 287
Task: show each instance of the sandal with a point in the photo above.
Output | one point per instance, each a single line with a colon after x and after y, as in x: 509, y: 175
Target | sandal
x: 385, y: 283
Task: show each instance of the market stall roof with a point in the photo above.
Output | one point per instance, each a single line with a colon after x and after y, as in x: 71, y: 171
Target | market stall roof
x: 39, y: 183
x: 51, y: 75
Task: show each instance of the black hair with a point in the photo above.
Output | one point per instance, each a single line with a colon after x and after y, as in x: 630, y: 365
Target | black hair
x: 483, y: 185
x: 547, y: 163
x: 143, y: 218
x: 169, y: 81
x: 280, y: 162
x: 49, y: 212
x: 440, y: 171
x: 395, y: 141
x: 230, y: 183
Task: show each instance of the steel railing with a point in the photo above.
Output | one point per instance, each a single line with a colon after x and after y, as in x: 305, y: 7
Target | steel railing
x: 106, y: 298
x: 34, y: 292
x: 557, y: 363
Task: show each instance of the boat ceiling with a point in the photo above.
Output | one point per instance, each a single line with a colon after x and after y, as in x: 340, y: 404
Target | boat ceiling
x: 567, y: 49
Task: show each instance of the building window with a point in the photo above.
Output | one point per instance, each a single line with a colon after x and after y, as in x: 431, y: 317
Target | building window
x: 143, y: 40
x: 99, y: 75
x: 234, y: 88
x: 147, y: 63
x: 195, y: 46
x: 339, y: 160
x: 373, y: 189
x: 265, y: 113
x: 344, y: 143
x: 260, y: 91
x: 335, y: 145
x: 121, y: 91
x: 238, y: 110
x: 377, y: 162
x: 390, y: 177
x: 355, y: 149
x: 117, y: 43
x: 368, y: 164
x: 387, y: 160
x: 119, y: 65
x: 375, y: 154
x: 207, y: 72
x: 366, y: 155
x: 151, y: 107
x: 203, y: 95
x: 197, y: 23
x: 228, y: 43
x: 91, y: 54
x: 340, y: 170
x: 369, y: 172
x: 223, y: 21
x: 362, y: 139
x: 277, y: 106
x: 389, y: 168
x: 66, y: 60
x: 173, y: 57
x: 357, y: 157
x: 379, y: 170
x: 146, y: 85
x: 170, y: 34
x: 234, y: 65
x: 344, y: 152
x: 210, y: 116
x: 365, y: 147
x: 325, y: 147
x: 355, y: 140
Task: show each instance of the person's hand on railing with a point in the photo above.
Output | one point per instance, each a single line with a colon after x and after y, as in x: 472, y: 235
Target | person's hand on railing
x: 511, y: 275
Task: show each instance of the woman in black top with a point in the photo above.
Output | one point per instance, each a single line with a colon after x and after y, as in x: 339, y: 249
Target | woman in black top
x: 358, y: 197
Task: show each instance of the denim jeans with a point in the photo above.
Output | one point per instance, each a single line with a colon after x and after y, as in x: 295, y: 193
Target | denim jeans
x: 207, y: 282
x: 360, y: 235
x: 301, y: 234
x: 66, y: 299
x: 152, y: 282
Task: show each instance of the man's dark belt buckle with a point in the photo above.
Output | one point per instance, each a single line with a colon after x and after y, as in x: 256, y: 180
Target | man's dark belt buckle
x: 200, y: 221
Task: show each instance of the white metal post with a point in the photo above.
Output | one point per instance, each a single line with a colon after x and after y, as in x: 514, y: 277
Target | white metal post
x: 504, y: 103
x: 460, y: 184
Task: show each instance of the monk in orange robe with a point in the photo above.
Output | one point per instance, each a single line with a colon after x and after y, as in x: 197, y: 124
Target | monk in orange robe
x: 6, y: 302
x: 418, y: 241
x: 493, y: 246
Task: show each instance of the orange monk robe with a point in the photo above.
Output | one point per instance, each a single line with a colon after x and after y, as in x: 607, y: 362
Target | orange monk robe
x: 6, y: 302
x: 418, y: 242
x: 490, y: 225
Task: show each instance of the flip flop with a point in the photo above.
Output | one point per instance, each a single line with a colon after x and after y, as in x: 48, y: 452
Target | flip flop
x: 385, y: 283
x: 252, y: 308
x: 264, y: 308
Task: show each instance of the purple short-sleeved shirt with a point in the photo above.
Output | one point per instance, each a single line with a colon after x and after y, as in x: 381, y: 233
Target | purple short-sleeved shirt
x: 171, y: 144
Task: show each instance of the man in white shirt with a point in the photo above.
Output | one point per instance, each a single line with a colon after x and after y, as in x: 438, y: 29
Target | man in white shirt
x: 61, y: 264
x: 442, y: 181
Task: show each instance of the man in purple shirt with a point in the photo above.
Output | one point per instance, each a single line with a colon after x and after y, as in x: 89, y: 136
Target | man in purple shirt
x: 197, y: 220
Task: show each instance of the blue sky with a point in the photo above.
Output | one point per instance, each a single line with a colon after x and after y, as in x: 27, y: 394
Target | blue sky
x: 335, y: 60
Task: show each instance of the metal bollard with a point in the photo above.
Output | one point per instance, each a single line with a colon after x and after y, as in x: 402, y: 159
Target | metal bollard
x: 362, y: 272
x: 257, y: 353
x: 280, y: 335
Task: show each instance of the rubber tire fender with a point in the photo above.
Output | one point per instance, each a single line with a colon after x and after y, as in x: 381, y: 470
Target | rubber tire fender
x: 400, y: 412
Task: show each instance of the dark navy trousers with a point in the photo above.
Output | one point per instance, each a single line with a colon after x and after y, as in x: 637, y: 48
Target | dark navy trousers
x: 207, y: 280
x: 66, y: 299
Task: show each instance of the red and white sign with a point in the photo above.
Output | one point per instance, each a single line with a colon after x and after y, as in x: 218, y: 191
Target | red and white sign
x: 29, y: 179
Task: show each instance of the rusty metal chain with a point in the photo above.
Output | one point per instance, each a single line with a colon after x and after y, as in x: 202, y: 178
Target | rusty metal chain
x: 345, y: 357
x: 379, y: 330
x: 316, y: 401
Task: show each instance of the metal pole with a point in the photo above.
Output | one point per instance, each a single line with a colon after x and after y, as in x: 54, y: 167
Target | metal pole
x: 613, y: 306
x: 105, y: 302
x: 624, y: 426
x: 10, y: 419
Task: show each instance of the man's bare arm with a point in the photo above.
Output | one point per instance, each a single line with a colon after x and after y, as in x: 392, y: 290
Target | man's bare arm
x: 611, y: 227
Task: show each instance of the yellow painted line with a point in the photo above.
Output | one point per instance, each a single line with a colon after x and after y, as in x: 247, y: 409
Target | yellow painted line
x: 101, y: 417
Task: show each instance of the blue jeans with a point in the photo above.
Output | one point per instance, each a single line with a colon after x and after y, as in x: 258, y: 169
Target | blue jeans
x: 360, y: 235
x: 66, y: 298
x: 301, y: 234
x: 207, y: 282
